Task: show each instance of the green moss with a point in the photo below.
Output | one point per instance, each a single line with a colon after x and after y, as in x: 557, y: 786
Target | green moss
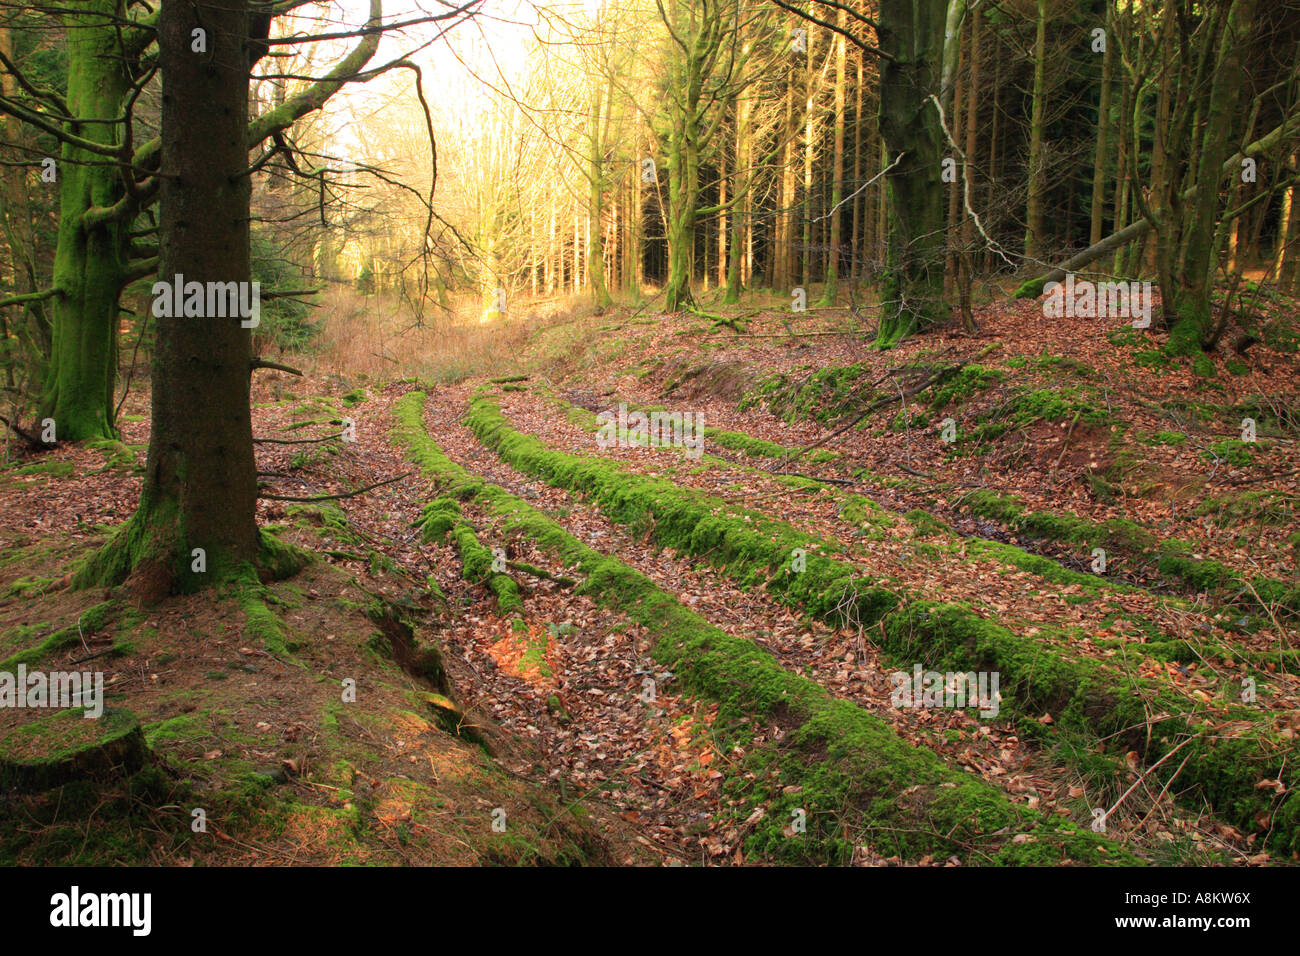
x: 1093, y: 700
x: 845, y: 768
x: 55, y: 469
x: 926, y: 524
x: 476, y: 563
x: 1269, y: 508
x: 753, y: 549
x: 1028, y: 406
x: 261, y: 623
x: 89, y: 622
x: 1168, y: 438
x: 1234, y: 451
x: 758, y: 448
x: 26, y: 586
x: 63, y: 746
x: 182, y: 728
x: 959, y: 389
x: 437, y: 518
x: 1153, y: 359
x: 824, y: 395
x: 354, y: 397
x: 118, y: 455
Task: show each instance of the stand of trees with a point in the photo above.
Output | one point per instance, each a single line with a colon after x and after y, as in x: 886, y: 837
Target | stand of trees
x: 905, y: 147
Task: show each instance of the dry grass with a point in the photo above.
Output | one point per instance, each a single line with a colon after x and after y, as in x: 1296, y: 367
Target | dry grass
x: 380, y: 337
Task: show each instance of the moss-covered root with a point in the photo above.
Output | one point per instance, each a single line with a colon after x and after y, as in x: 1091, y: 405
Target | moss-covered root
x: 840, y: 778
x: 149, y: 552
x: 440, y: 519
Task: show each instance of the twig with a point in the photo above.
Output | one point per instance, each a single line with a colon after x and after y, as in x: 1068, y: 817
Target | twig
x: 263, y: 363
x: 295, y: 441
x: 1150, y: 770
x: 349, y: 494
x: 1065, y: 444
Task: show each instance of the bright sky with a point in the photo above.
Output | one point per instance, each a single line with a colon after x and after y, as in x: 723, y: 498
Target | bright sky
x: 493, y: 44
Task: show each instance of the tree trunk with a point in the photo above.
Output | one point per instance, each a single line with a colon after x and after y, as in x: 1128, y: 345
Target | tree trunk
x: 1140, y: 228
x: 857, y: 244
x: 1103, y: 134
x: 740, y: 174
x: 911, y: 33
x: 596, y: 206
x: 1190, y: 330
x: 1037, y: 174
x: 837, y: 166
x: 200, y: 485
x: 89, y: 260
x: 1287, y: 256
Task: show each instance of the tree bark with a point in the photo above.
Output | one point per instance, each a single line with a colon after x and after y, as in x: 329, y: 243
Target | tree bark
x: 1037, y: 176
x: 200, y: 485
x: 911, y: 36
x: 837, y: 166
x: 90, y: 260
x: 1190, y: 330
x: 1103, y: 135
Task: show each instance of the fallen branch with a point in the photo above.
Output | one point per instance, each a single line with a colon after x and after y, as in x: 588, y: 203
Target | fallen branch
x: 295, y: 441
x: 348, y: 494
x: 537, y: 572
x: 262, y: 363
x: 30, y: 438
x: 877, y: 404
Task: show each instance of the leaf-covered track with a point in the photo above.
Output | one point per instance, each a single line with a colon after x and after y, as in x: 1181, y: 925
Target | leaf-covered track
x: 849, y: 772
x: 1233, y: 748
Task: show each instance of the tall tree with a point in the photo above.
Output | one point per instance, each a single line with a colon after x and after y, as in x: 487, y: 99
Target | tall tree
x: 1037, y: 170
x: 911, y: 41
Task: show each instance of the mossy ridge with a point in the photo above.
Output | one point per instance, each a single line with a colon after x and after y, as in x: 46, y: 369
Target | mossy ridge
x: 850, y: 771
x: 441, y: 519
x: 965, y: 384
x: 733, y: 441
x: 1173, y: 558
x: 828, y: 589
x: 757, y: 550
x: 824, y: 395
x: 477, y: 567
x: 1085, y: 697
x: 873, y: 518
x: 1028, y: 406
x: 856, y: 509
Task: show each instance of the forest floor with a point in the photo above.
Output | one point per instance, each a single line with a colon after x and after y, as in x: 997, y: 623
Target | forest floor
x: 567, y: 650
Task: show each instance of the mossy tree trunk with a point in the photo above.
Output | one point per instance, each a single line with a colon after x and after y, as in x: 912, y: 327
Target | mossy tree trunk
x: 912, y: 295
x: 200, y: 487
x: 18, y: 214
x: 1037, y: 173
x: 1190, y: 328
x: 90, y: 259
x: 1101, y: 157
x: 740, y: 175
